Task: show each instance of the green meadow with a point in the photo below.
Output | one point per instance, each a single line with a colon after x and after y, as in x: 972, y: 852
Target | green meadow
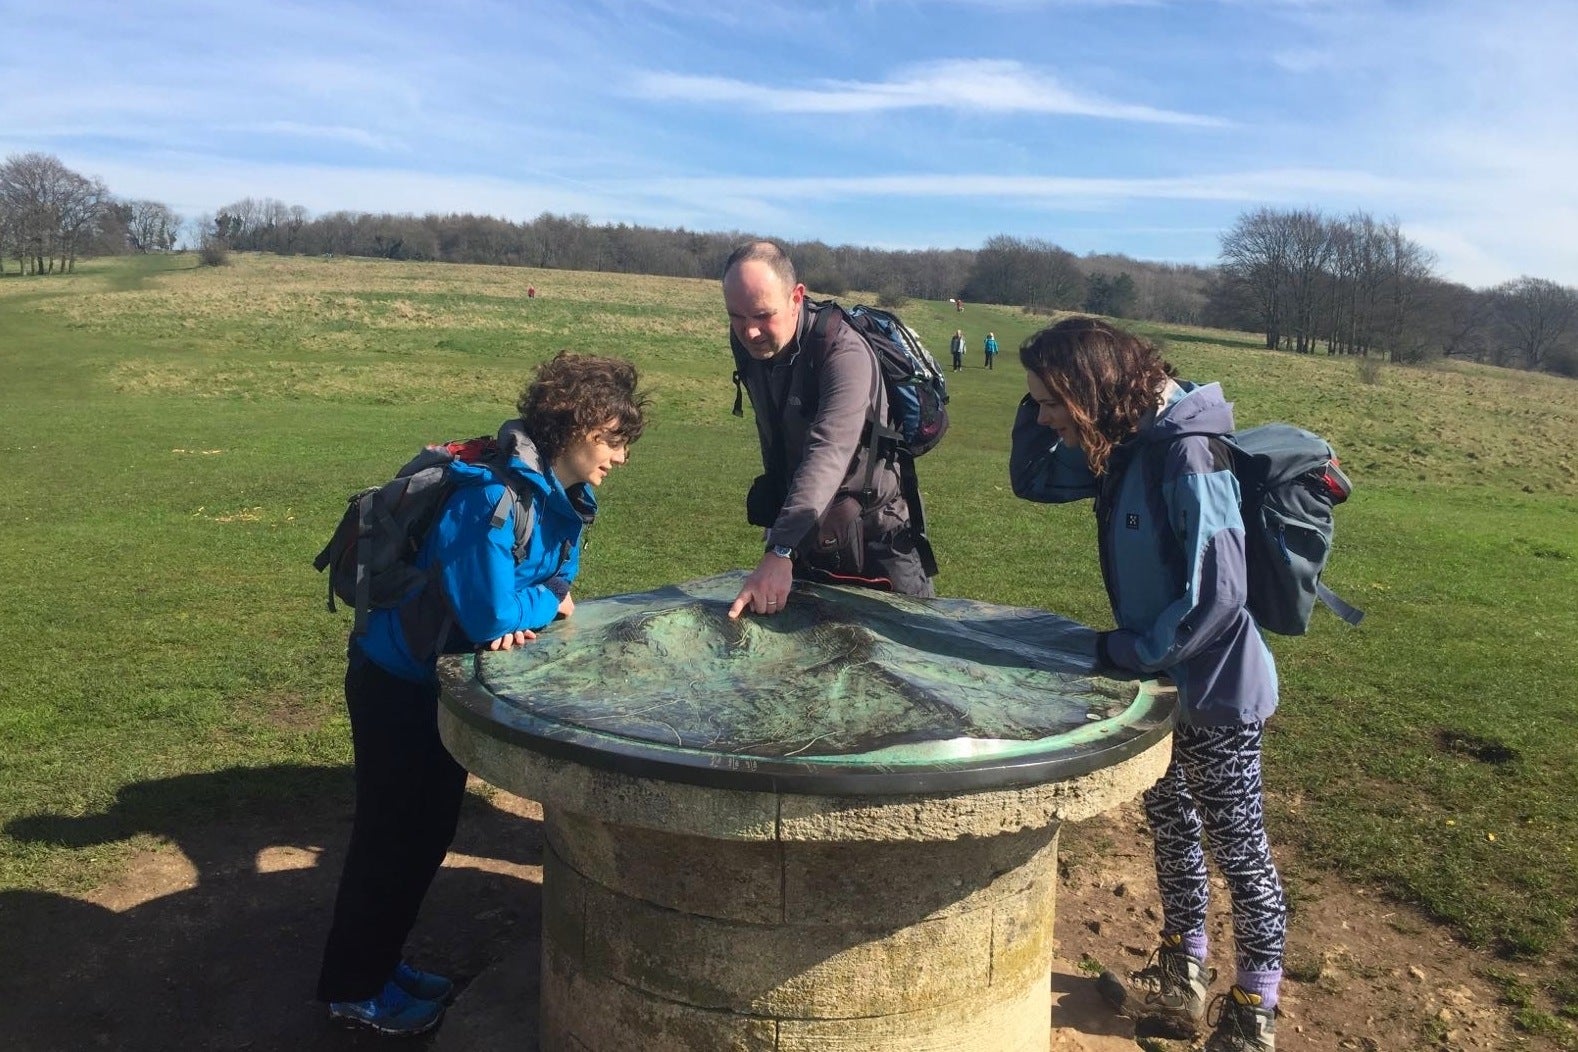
x: 179, y: 441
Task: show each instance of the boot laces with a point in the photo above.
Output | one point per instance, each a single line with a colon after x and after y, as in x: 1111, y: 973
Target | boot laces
x: 1227, y: 1017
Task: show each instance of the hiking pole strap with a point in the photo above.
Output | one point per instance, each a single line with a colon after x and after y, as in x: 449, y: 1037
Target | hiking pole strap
x: 1349, y: 613
x: 909, y: 485
x: 874, y: 434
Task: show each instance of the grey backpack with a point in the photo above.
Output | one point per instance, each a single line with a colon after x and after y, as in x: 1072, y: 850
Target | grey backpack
x: 370, y: 554
x: 1290, y: 483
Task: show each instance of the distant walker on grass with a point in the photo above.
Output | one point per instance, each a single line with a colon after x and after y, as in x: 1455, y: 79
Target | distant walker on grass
x: 1106, y: 418
x: 488, y: 589
x: 832, y: 501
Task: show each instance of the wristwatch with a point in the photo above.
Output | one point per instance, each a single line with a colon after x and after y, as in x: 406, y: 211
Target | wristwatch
x: 783, y: 551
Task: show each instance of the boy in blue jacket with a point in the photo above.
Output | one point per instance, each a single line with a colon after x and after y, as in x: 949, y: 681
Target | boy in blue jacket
x: 578, y: 417
x: 1106, y: 418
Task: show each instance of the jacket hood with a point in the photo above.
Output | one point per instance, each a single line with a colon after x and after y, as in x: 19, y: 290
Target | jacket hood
x: 527, y: 462
x: 517, y: 445
x: 1201, y: 409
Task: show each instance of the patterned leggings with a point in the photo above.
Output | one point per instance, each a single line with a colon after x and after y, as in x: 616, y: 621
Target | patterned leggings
x: 1213, y: 784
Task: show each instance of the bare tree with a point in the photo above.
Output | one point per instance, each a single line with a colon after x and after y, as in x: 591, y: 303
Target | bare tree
x: 1536, y: 317
x: 1356, y: 279
x: 151, y: 226
x: 1408, y: 268
x: 28, y: 200
x: 1447, y: 320
x: 1353, y: 283
x: 1110, y: 294
x: 1030, y: 273
x: 52, y: 213
x: 1310, y: 248
x: 1257, y: 258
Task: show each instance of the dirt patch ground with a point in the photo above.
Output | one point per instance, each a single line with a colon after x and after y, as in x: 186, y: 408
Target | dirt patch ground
x: 212, y: 943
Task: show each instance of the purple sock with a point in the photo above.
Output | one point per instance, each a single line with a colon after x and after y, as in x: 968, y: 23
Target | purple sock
x: 1263, y: 983
x: 1194, y: 944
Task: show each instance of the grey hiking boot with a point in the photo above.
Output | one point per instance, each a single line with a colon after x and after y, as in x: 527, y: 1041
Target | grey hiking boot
x: 1174, y: 984
x: 1240, y: 1024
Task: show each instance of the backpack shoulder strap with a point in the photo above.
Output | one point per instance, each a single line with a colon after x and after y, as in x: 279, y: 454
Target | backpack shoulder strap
x: 364, y: 596
x: 828, y: 317
x: 511, y: 499
x: 741, y: 361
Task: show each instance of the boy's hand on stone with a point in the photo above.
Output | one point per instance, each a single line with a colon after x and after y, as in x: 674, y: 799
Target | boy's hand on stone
x: 509, y: 640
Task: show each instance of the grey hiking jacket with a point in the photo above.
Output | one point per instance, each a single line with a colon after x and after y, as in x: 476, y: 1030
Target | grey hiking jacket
x: 1172, y: 553
x: 813, y: 415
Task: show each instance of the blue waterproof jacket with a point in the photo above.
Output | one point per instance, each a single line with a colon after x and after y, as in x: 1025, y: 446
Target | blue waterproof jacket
x: 1171, y: 541
x: 480, y: 588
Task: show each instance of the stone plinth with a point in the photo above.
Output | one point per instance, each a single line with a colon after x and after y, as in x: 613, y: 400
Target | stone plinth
x: 698, y: 898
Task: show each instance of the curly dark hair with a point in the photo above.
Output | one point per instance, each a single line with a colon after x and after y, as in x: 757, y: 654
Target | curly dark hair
x: 572, y: 395
x: 1107, y: 378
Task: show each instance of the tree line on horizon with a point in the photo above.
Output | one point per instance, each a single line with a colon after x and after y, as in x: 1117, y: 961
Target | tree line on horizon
x: 1311, y: 283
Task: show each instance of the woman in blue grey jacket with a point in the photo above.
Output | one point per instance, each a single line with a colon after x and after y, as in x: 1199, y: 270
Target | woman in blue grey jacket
x: 1106, y: 418
x: 578, y: 416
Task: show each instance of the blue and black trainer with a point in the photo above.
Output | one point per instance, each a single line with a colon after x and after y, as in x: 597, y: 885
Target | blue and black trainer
x: 393, y: 1011
x: 425, y: 986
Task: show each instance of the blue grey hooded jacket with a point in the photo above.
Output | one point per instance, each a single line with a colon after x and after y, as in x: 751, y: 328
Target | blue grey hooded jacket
x: 1171, y: 542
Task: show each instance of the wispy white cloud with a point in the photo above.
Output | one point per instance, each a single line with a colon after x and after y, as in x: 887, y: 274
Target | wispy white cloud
x: 1042, y: 5
x: 338, y: 132
x: 1287, y: 185
x: 194, y: 184
x: 974, y: 85
x: 1303, y: 60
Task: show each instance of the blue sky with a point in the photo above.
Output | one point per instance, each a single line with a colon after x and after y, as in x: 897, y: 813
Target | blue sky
x: 1136, y: 126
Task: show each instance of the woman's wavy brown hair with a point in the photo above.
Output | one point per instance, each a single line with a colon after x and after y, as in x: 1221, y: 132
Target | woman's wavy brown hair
x: 1107, y: 378
x: 572, y: 395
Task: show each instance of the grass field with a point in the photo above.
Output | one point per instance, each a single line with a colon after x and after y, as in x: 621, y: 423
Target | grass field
x: 180, y: 441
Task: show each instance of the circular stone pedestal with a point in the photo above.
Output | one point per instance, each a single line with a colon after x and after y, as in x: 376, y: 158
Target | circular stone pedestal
x: 698, y: 899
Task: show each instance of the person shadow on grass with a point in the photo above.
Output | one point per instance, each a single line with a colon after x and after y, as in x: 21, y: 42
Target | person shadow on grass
x: 213, y: 942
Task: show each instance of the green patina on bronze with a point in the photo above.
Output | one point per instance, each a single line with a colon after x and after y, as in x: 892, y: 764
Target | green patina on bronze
x: 842, y: 678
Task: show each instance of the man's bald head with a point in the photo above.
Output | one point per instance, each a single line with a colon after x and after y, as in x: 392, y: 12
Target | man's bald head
x: 763, y: 298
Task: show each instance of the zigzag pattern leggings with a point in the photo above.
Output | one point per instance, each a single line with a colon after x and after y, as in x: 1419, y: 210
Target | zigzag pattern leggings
x: 1214, y: 785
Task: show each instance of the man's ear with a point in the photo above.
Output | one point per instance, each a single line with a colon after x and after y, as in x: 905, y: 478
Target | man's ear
x: 797, y: 294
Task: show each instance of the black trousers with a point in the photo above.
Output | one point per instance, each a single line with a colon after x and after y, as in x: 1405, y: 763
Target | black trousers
x: 408, y: 795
